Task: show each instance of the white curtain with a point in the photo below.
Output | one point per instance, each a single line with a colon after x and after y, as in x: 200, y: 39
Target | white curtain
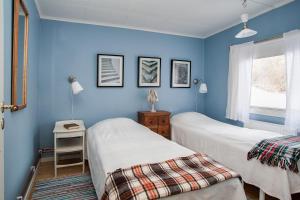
x: 292, y: 54
x: 239, y: 81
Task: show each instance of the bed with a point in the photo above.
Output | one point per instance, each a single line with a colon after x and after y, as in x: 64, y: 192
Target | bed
x: 121, y: 143
x: 229, y: 145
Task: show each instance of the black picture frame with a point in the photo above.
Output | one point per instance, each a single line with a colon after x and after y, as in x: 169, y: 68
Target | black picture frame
x: 114, y: 74
x: 187, y: 76
x: 140, y: 84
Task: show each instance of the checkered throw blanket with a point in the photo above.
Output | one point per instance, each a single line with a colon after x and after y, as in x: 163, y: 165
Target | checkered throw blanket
x: 283, y: 152
x: 171, y: 177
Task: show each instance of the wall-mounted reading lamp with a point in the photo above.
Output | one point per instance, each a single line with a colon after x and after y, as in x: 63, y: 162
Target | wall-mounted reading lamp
x: 202, y: 90
x: 76, y: 89
x: 202, y: 87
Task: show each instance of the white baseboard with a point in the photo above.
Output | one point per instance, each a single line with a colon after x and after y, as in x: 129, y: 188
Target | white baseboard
x: 31, y: 183
x: 35, y: 170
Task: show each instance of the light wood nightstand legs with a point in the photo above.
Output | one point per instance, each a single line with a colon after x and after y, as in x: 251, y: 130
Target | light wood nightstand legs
x: 83, y: 155
x: 55, y: 157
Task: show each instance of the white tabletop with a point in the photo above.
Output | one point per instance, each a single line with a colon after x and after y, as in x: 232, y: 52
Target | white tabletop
x: 59, y: 126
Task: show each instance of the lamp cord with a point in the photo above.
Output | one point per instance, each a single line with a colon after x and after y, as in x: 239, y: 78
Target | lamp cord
x: 72, y: 106
x: 196, y: 97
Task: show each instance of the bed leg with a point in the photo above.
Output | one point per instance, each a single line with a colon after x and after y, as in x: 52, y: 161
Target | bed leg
x: 261, y: 194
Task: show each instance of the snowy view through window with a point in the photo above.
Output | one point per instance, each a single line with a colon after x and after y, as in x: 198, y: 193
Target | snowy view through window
x: 269, y: 83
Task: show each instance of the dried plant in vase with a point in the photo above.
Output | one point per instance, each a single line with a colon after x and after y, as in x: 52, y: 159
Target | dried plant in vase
x: 152, y: 99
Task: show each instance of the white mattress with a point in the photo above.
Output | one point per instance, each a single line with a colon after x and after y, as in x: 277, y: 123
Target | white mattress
x: 229, y: 145
x: 121, y: 143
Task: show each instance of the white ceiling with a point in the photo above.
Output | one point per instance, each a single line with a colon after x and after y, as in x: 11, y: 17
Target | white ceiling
x: 195, y: 18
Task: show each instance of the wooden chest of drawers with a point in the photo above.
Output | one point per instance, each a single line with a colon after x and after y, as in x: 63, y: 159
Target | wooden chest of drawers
x: 158, y: 122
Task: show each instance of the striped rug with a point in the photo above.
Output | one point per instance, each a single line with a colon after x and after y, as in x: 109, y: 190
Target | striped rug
x: 76, y: 187
x: 65, y: 188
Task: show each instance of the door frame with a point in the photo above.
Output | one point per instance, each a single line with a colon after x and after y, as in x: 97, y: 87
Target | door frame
x: 1, y: 98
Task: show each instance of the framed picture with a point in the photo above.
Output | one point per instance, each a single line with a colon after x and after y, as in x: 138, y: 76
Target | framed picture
x: 110, y: 70
x: 149, y: 71
x: 181, y: 74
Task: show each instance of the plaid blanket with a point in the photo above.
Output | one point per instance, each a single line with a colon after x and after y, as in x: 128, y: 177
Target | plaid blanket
x: 171, y: 177
x: 283, y: 152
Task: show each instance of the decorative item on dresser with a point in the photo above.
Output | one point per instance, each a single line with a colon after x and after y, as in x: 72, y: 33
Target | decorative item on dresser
x: 69, y: 142
x: 158, y: 122
x: 152, y: 99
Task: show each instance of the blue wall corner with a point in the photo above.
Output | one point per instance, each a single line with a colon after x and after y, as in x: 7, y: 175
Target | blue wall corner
x: 216, y: 55
x: 21, y: 139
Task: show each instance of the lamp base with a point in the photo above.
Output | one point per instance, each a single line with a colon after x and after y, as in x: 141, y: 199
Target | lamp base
x: 153, y: 108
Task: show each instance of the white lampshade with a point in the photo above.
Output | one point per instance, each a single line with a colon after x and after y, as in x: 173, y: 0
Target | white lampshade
x: 76, y: 87
x: 246, y: 32
x: 203, y: 88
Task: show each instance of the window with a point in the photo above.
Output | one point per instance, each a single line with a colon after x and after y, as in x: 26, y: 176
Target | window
x: 268, y: 88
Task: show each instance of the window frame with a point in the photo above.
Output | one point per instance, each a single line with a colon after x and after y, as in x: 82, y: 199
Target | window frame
x: 272, y: 112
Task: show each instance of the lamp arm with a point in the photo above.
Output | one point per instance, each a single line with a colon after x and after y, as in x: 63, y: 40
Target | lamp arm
x: 197, y: 81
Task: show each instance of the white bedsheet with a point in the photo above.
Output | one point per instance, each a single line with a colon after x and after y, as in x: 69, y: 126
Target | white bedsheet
x: 229, y: 145
x: 121, y: 142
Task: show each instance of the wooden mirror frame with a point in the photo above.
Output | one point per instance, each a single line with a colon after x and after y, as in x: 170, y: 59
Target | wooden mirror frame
x: 14, y: 82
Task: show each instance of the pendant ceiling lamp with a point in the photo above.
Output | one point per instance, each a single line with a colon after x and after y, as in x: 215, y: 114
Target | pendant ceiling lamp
x: 246, y: 32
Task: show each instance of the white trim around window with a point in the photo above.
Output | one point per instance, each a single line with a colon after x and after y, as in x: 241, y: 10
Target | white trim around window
x: 266, y: 126
x: 274, y: 112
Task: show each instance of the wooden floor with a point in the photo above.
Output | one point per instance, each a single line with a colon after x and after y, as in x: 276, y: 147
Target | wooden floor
x: 46, y: 171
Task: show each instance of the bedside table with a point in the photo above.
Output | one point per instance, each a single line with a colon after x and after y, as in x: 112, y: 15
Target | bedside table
x: 158, y: 122
x: 68, y: 142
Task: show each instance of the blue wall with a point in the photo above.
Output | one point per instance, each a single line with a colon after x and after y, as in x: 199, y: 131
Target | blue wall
x: 216, y: 50
x: 71, y: 48
x: 21, y: 138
